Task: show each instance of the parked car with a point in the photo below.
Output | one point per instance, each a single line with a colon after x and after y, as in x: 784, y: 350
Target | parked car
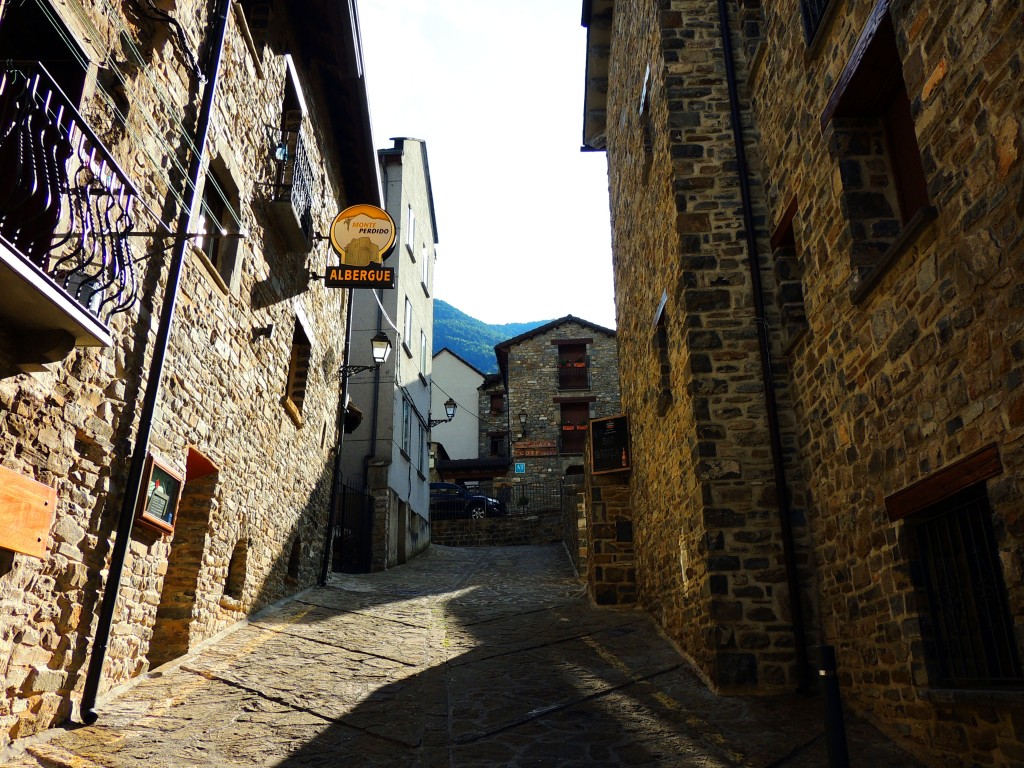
x: 448, y: 500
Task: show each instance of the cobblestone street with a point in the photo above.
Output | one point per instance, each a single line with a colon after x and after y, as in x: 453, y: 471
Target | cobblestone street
x: 463, y: 657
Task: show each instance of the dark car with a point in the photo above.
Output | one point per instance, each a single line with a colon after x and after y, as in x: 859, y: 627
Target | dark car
x: 448, y: 501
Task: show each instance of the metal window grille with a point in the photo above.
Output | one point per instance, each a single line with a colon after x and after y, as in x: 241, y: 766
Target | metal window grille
x: 968, y: 631
x: 812, y: 12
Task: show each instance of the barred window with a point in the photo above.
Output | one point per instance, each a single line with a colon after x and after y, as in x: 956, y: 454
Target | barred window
x: 967, y: 628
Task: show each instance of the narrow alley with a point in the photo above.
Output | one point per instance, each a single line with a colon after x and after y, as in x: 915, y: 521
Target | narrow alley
x: 463, y: 657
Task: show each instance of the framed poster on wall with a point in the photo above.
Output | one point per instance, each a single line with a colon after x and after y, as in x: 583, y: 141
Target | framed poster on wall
x: 158, y: 502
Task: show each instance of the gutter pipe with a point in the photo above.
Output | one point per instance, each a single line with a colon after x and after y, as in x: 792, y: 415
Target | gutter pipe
x: 771, y: 405
x: 133, y: 486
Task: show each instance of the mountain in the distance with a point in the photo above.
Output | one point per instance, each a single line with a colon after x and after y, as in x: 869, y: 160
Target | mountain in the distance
x: 471, y: 339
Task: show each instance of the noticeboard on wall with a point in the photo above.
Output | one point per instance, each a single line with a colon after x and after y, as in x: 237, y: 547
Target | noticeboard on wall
x: 158, y: 502
x: 609, y: 443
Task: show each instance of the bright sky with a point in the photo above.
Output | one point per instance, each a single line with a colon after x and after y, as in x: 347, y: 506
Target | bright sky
x: 495, y: 88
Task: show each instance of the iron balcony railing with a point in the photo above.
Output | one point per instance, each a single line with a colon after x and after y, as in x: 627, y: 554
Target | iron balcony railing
x: 65, y: 204
x: 574, y: 375
x: 294, y: 180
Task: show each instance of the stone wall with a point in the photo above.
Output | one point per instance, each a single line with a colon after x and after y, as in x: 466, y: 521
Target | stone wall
x: 511, y: 531
x: 257, y: 479
x: 709, y: 547
x: 533, y: 386
x: 900, y: 380
x: 610, y: 566
x: 902, y: 348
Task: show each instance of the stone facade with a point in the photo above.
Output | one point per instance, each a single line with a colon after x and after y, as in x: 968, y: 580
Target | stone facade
x: 511, y: 531
x: 893, y: 320
x: 561, y: 375
x: 387, y: 455
x: 251, y: 443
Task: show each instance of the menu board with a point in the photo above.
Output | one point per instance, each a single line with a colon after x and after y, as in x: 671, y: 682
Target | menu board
x: 609, y: 443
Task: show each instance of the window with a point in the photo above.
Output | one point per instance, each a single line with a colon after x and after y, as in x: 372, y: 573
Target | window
x: 497, y: 403
x: 885, y: 194
x: 407, y: 335
x: 27, y: 33
x: 966, y: 624
x: 573, y: 367
x: 574, y: 420
x: 664, y: 362
x: 421, y: 451
x: 789, y: 272
x: 425, y: 268
x: 298, y: 372
x: 423, y: 353
x: 215, y: 219
x: 410, y: 239
x: 406, y: 426
x: 812, y: 13
x: 497, y: 444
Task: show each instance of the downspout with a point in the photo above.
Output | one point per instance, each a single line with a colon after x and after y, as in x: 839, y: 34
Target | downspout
x: 332, y: 509
x: 134, y: 482
x: 771, y: 405
x: 371, y: 451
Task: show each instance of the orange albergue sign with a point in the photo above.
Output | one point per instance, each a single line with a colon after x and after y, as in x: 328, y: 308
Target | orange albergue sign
x: 362, y: 236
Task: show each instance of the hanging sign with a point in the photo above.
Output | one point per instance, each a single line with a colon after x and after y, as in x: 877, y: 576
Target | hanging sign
x: 610, y: 444
x: 362, y: 236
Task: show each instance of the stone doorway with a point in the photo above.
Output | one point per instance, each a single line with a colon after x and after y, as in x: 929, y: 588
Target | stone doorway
x: 179, y: 606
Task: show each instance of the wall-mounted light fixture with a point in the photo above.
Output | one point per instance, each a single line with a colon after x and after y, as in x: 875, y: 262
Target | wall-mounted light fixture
x: 380, y: 348
x: 523, y: 416
x: 450, y: 406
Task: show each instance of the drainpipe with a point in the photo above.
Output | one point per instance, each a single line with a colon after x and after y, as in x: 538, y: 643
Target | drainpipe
x: 332, y: 509
x: 133, y: 487
x: 775, y: 433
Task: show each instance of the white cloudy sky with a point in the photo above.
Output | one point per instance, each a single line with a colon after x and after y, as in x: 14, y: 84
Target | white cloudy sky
x: 496, y: 90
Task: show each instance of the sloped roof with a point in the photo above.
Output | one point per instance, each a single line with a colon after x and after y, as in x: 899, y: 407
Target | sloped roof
x: 460, y: 358
x: 501, y: 350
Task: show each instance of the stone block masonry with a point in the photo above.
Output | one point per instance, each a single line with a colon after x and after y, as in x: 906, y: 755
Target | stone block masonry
x: 890, y: 226
x: 257, y: 477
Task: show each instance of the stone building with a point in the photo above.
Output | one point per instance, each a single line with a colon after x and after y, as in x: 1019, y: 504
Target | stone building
x: 553, y: 380
x: 817, y: 219
x: 387, y: 455
x: 212, y: 142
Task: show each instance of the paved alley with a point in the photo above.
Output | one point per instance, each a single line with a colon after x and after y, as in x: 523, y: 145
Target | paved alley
x: 463, y: 657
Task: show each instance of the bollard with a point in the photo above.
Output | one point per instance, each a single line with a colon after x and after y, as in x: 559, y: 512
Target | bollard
x: 835, y: 727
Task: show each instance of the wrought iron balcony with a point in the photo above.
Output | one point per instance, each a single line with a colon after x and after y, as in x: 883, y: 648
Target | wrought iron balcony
x: 66, y: 209
x: 292, y: 193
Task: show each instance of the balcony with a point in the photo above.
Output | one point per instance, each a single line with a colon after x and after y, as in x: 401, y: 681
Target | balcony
x: 574, y: 375
x: 66, y: 212
x: 573, y: 438
x: 291, y: 201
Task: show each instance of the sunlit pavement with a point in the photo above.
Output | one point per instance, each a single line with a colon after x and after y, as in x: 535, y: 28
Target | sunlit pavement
x: 463, y: 657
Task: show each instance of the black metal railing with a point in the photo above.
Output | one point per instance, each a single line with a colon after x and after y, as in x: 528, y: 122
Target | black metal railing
x: 812, y: 12
x: 572, y: 439
x: 574, y: 376
x: 294, y: 179
x: 65, y: 204
x: 967, y: 628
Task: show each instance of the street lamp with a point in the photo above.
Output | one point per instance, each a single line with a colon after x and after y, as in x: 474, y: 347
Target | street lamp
x: 523, y: 416
x: 450, y: 406
x: 380, y: 346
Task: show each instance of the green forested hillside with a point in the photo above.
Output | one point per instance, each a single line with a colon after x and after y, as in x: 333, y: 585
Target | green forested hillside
x: 471, y: 339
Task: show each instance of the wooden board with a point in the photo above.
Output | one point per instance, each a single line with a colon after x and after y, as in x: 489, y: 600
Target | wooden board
x: 26, y: 513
